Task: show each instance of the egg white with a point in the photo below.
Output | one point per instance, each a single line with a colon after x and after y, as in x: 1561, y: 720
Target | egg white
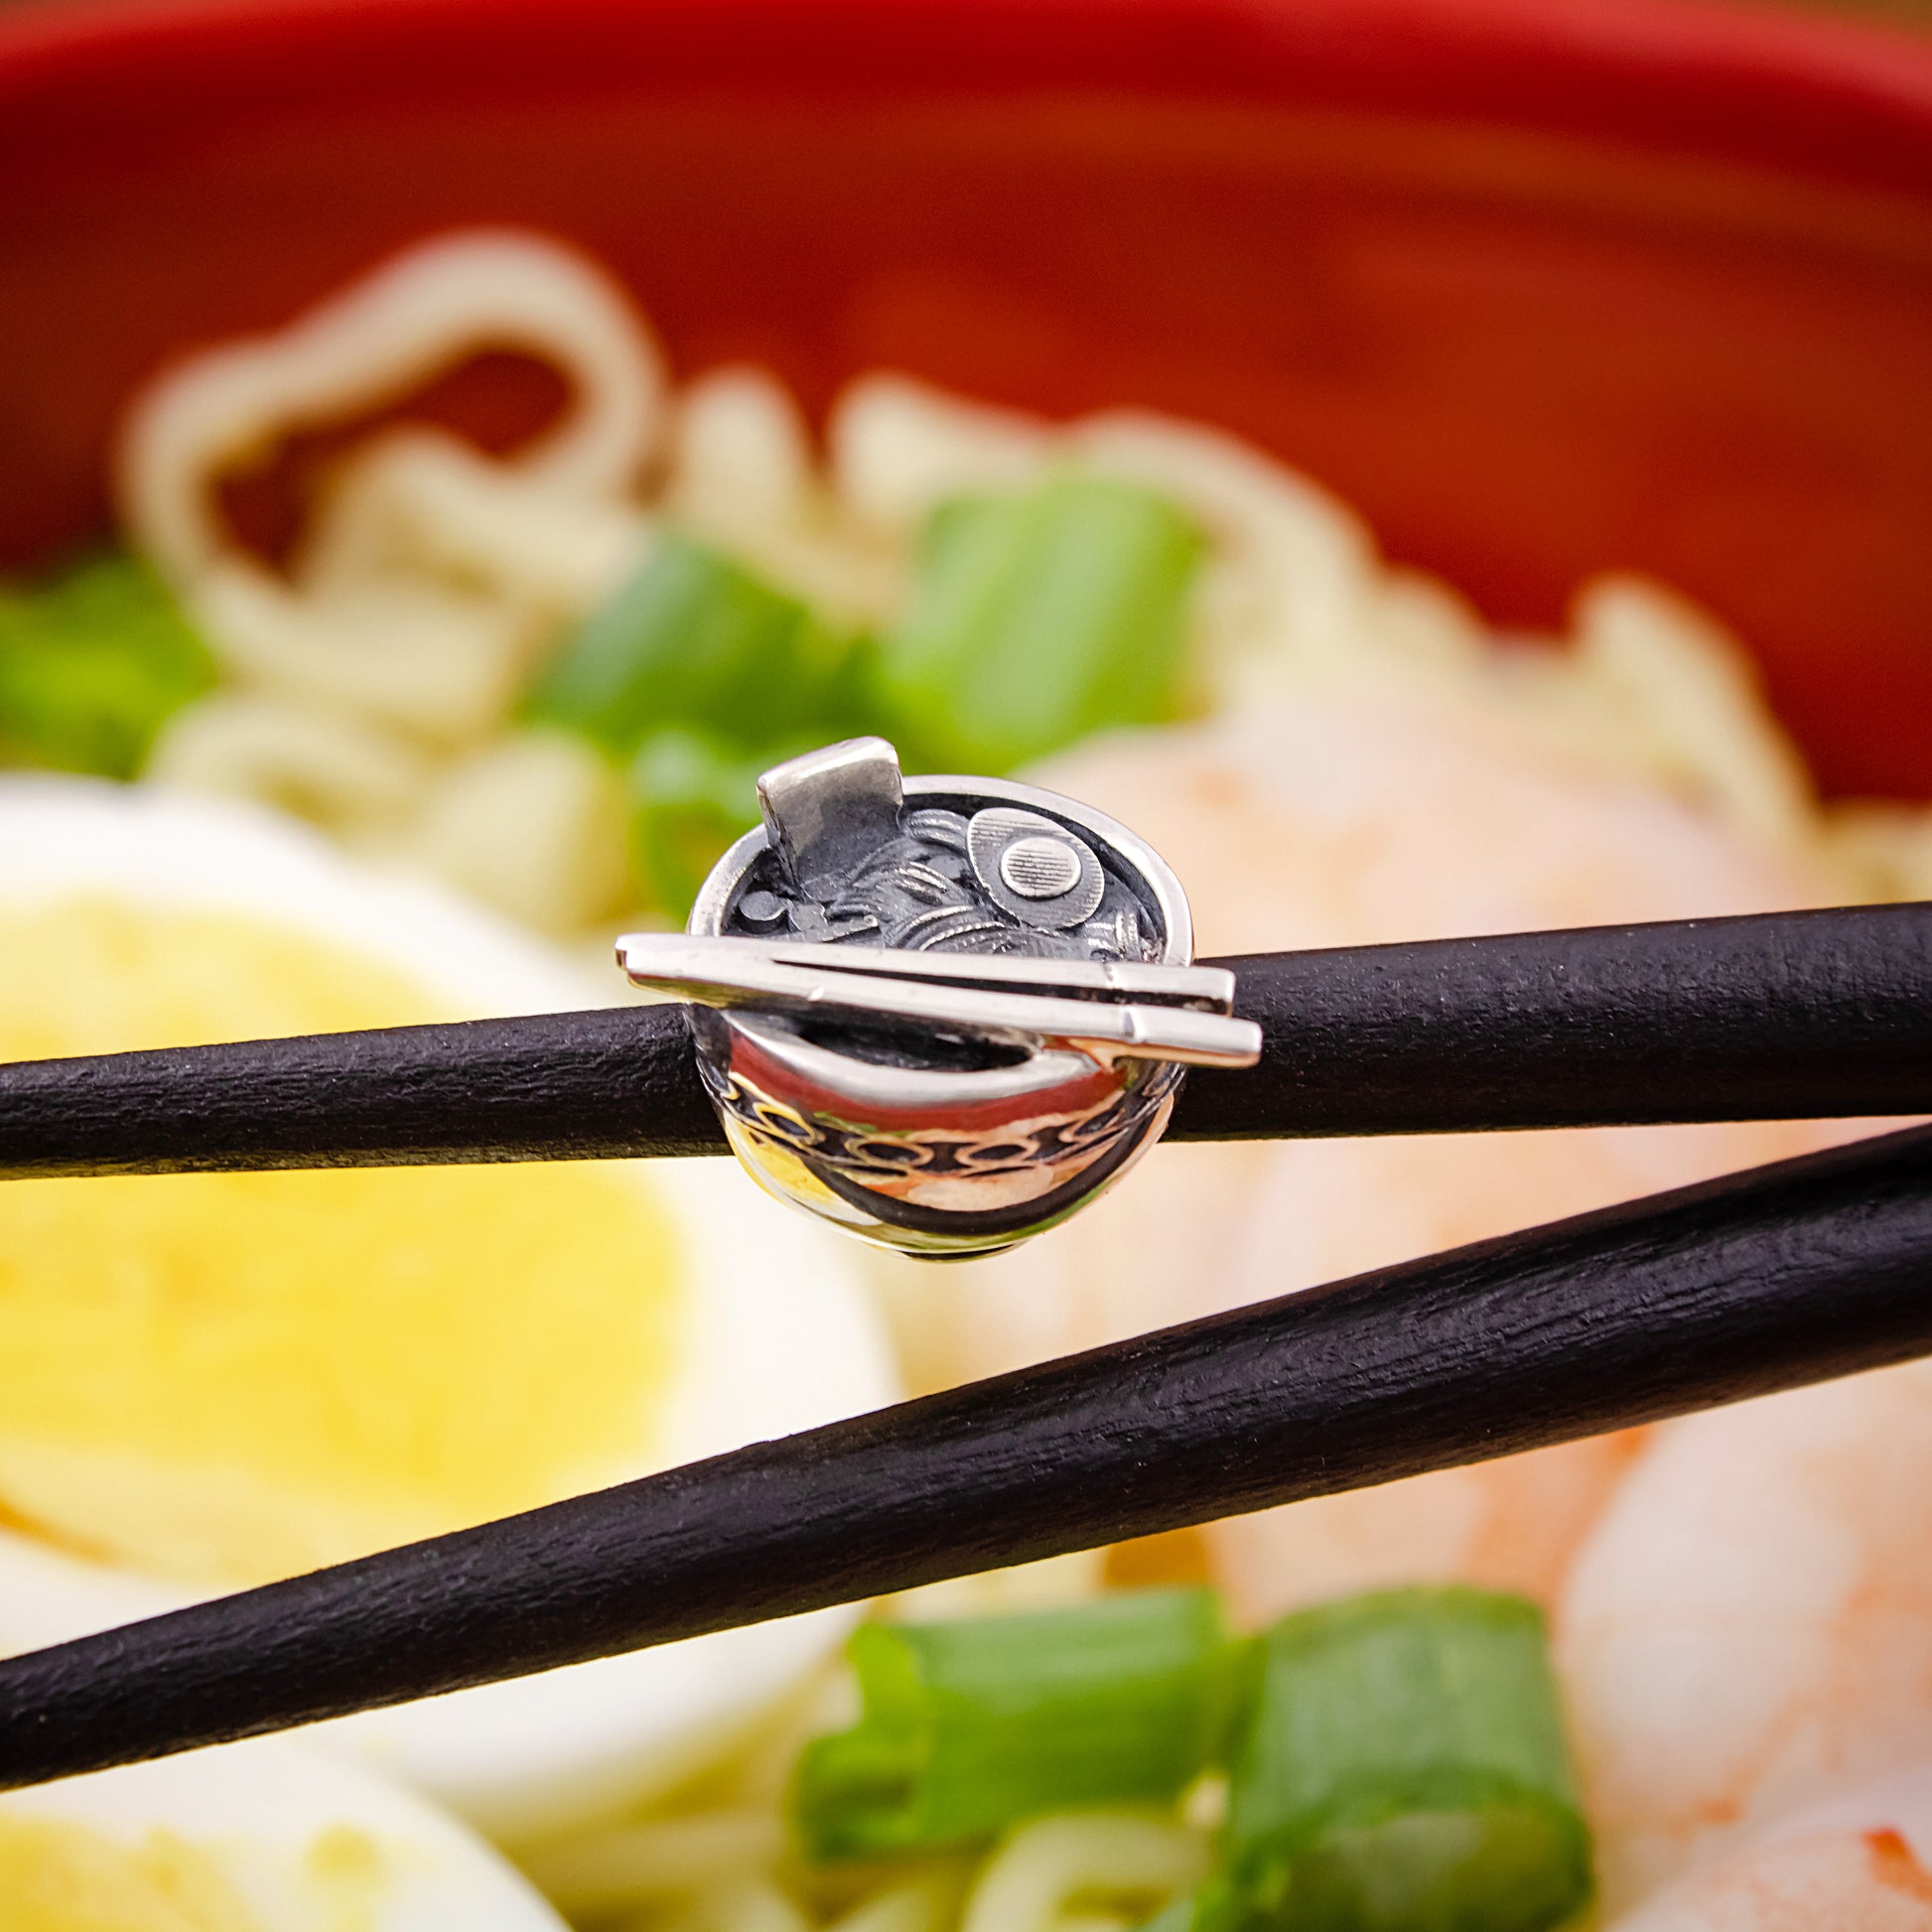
x: 780, y: 1333
x: 255, y: 1812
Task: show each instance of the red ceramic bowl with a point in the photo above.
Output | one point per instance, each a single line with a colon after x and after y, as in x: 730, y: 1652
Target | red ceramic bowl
x: 1543, y: 286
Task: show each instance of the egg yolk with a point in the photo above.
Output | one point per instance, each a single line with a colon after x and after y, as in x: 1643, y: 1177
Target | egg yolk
x: 226, y: 1378
x: 58, y: 1876
x: 62, y: 1878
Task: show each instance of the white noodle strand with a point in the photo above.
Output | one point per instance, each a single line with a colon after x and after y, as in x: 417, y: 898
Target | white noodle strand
x: 413, y: 653
x: 434, y: 574
x: 898, y: 447
x: 1688, y: 687
x: 531, y: 823
x: 420, y: 500
x: 743, y: 1905
x: 743, y: 477
x: 666, y: 1857
x: 1294, y: 569
x: 370, y: 346
x: 341, y: 774
x: 924, y: 1906
x: 1048, y: 1867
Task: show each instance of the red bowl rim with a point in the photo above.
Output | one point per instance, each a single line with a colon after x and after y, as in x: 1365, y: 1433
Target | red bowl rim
x: 1825, y: 93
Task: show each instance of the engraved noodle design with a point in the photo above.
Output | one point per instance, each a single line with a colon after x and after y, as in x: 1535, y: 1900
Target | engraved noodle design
x: 1001, y: 881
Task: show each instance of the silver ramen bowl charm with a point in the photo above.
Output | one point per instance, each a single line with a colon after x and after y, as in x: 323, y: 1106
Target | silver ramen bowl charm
x: 941, y: 1013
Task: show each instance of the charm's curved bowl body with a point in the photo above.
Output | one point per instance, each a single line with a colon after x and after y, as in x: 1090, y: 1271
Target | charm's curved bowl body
x: 944, y: 1147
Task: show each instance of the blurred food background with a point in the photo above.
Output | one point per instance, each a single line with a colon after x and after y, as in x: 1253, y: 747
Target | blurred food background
x: 1432, y: 468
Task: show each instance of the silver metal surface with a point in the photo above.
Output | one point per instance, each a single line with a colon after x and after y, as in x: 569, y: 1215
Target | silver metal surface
x: 733, y: 973
x: 829, y: 809
x: 1039, y: 868
x: 942, y: 1012
x: 1038, y: 872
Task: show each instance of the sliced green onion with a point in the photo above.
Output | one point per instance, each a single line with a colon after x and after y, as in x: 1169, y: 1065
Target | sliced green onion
x: 1039, y: 618
x: 1195, y: 1911
x: 1402, y: 1769
x: 970, y: 1726
x: 694, y: 640
x: 691, y: 796
x: 91, y: 665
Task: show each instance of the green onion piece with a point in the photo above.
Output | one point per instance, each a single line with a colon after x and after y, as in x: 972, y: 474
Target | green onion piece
x: 970, y: 1726
x: 1039, y: 618
x: 91, y: 665
x: 690, y: 796
x: 1192, y: 1910
x: 694, y: 640
x: 1403, y: 1769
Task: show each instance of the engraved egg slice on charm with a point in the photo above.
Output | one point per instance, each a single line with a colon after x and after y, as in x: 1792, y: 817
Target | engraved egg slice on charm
x: 1033, y: 869
x: 941, y: 1012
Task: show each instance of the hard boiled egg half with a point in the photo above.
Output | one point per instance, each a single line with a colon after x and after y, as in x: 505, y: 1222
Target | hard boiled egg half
x: 251, y: 1838
x: 211, y: 1380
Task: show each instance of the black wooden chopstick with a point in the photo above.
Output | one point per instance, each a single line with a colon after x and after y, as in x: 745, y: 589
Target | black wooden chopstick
x: 1789, y: 1274
x: 1809, y: 1015
x: 1776, y: 1017
x: 557, y: 1087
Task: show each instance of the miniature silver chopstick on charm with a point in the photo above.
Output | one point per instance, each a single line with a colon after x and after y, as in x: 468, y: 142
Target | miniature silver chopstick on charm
x: 1167, y: 1012
x: 941, y: 1012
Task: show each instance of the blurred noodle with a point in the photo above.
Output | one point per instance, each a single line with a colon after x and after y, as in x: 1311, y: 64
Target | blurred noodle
x: 363, y: 686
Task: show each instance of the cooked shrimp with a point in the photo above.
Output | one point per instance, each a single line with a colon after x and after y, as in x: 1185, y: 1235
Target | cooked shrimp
x: 1861, y: 1864
x: 1751, y: 1623
x: 1344, y: 820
